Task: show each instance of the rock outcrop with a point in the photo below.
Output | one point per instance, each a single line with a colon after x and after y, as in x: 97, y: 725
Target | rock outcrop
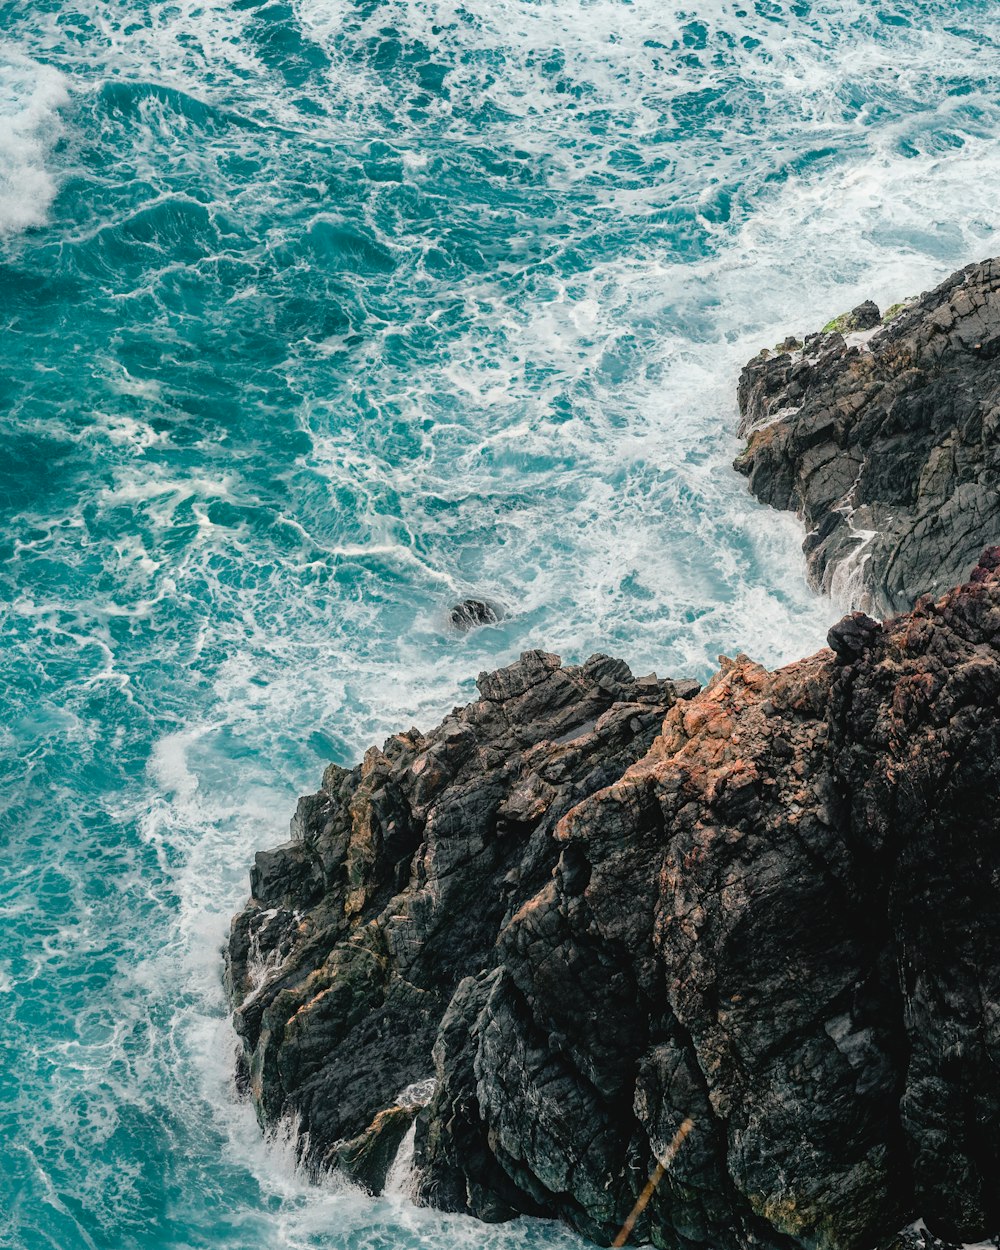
x: 589, y: 908
x: 885, y: 441
x: 471, y: 613
x: 398, y: 878
x: 592, y: 907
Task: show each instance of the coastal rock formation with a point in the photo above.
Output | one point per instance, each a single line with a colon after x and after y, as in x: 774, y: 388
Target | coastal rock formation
x: 398, y: 878
x: 591, y: 908
x: 885, y: 441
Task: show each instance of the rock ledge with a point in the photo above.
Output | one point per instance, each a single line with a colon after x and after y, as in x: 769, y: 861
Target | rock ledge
x: 886, y: 442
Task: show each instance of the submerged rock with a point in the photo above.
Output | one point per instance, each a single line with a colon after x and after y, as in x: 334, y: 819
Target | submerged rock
x: 596, y: 908
x: 471, y: 613
x: 888, y: 449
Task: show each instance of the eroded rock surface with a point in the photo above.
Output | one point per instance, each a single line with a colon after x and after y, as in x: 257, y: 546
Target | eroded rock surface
x: 398, y: 878
x: 886, y: 442
x: 778, y: 918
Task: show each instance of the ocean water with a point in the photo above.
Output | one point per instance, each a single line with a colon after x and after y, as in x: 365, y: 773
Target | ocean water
x: 318, y: 315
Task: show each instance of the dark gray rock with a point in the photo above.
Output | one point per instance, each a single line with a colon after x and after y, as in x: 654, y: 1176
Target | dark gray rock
x: 865, y: 317
x: 399, y: 876
x: 851, y: 637
x: 471, y: 613
x: 367, y: 1158
x: 888, y: 449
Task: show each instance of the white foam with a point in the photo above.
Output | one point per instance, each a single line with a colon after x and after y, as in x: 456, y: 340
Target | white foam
x: 847, y: 587
x: 31, y: 96
x: 400, y: 1180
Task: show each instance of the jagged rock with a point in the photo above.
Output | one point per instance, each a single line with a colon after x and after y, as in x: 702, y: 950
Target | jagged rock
x: 777, y: 918
x: 399, y: 876
x: 367, y: 1158
x: 865, y: 317
x: 852, y: 636
x: 887, y: 448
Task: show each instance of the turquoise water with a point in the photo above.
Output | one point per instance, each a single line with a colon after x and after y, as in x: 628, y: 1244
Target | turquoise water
x: 318, y: 315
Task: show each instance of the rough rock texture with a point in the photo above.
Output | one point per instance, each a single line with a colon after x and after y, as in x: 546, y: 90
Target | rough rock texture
x: 778, y: 918
x: 886, y: 442
x: 398, y: 878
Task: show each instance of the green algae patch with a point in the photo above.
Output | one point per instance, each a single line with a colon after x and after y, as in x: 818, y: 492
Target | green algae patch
x: 839, y: 325
x: 895, y: 310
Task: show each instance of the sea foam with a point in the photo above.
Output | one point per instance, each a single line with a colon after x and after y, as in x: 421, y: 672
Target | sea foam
x: 31, y: 96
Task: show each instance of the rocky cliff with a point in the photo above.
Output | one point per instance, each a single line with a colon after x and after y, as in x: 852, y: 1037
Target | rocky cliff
x: 399, y: 876
x: 588, y: 909
x: 884, y: 439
